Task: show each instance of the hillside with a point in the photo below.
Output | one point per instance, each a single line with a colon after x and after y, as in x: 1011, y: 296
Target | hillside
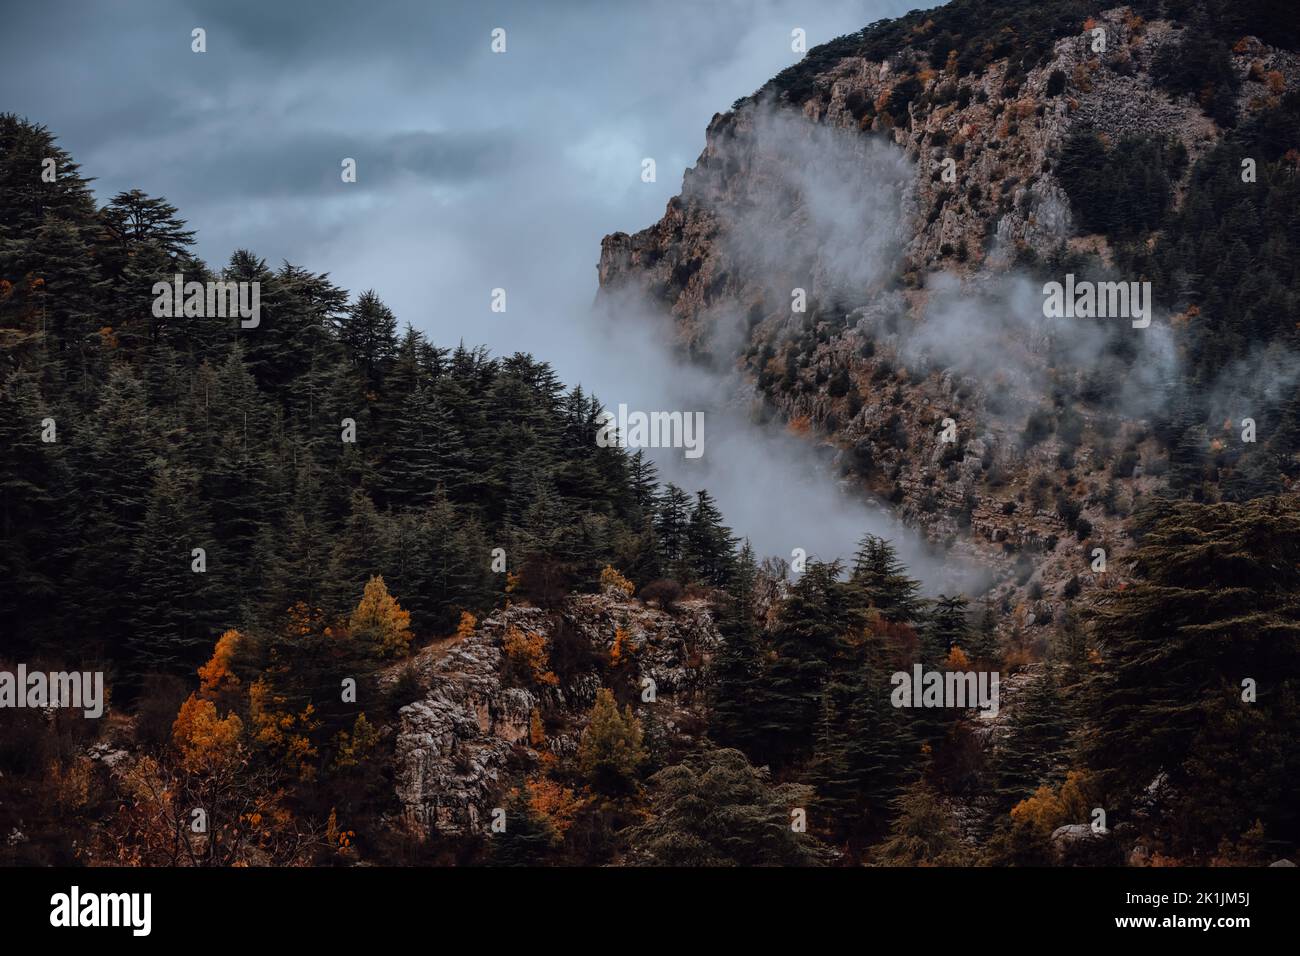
x: 920, y: 180
x: 359, y: 598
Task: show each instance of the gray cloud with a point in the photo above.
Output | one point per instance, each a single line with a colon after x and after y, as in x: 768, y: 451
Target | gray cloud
x: 476, y: 170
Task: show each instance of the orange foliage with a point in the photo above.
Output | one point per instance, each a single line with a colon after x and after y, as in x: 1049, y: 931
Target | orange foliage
x: 206, y: 742
x: 466, y: 626
x: 380, y: 620
x: 619, y: 651
x: 557, y: 803
x: 282, y: 731
x: 536, y: 733
x: 216, y: 677
x: 527, y: 656
x: 1050, y: 808
x: 611, y: 579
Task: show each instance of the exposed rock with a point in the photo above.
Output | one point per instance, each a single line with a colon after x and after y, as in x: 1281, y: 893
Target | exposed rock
x: 1006, y: 135
x: 460, y: 744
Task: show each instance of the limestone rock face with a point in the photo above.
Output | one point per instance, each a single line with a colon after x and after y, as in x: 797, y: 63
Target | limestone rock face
x: 465, y: 740
x: 885, y: 220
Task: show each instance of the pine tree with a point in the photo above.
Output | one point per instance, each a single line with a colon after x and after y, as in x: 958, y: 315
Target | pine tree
x: 1214, y: 604
x: 947, y: 628
x: 714, y: 809
x: 175, y: 619
x: 737, y: 671
x: 923, y: 833
x: 379, y: 623
x: 809, y: 640
x: 672, y: 517
x: 710, y: 551
x: 369, y: 334
x: 1035, y: 749
x: 881, y: 578
x: 611, y: 752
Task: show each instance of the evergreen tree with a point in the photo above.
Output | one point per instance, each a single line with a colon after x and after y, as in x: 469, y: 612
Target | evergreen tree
x: 1214, y: 604
x: 1034, y: 751
x: 809, y: 641
x: 714, y: 809
x: 738, y: 670
x: 368, y: 332
x: 710, y: 545
x: 881, y: 579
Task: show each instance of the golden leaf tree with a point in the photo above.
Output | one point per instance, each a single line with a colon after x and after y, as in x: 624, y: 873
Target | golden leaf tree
x: 380, y: 621
x: 611, y: 750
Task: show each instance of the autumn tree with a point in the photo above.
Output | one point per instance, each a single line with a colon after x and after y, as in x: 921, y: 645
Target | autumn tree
x: 380, y: 622
x: 611, y: 750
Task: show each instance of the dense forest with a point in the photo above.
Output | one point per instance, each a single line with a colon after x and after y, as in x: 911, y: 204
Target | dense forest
x: 293, y: 546
x: 132, y: 440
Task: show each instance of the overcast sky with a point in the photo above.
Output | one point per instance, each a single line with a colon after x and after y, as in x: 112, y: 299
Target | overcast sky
x: 475, y: 169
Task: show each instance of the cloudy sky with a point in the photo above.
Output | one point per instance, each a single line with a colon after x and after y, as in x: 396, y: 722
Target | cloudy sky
x: 475, y: 170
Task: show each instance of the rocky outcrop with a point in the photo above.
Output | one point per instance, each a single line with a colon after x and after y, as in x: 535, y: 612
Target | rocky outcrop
x: 465, y: 740
x: 955, y: 189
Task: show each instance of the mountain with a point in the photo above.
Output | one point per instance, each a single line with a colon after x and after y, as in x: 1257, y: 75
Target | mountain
x: 921, y: 180
x: 1026, y: 271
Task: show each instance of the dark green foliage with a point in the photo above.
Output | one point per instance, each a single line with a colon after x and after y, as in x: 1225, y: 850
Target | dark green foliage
x: 737, y: 671
x: 1034, y: 751
x: 1122, y: 191
x: 190, y: 432
x: 715, y: 809
x: 1215, y: 604
x: 809, y: 643
x: 882, y: 582
x: 1200, y: 65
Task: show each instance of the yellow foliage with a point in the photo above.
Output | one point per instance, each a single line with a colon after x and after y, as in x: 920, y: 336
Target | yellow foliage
x: 527, y: 656
x: 611, y: 748
x: 466, y: 626
x: 380, y: 620
x: 215, y: 676
x: 1050, y: 808
x: 207, y: 743
x: 351, y: 749
x: 557, y: 803
x: 281, y: 731
x: 957, y: 660
x: 611, y: 579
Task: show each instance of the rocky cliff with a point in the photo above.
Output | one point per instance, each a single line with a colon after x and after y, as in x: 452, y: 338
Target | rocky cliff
x: 902, y: 197
x: 473, y: 723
